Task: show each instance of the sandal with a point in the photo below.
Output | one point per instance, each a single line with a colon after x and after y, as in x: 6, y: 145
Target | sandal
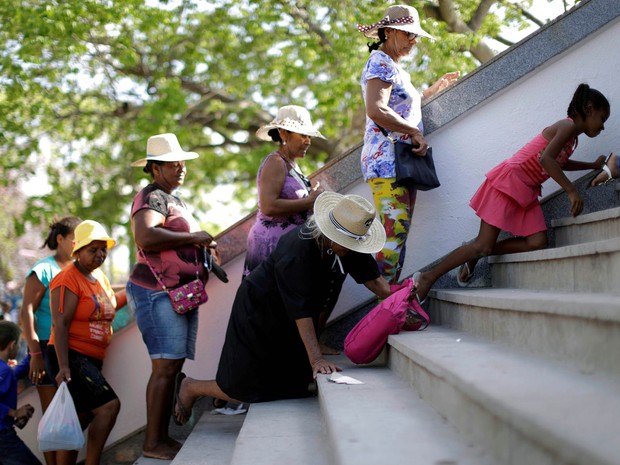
x: 177, y: 404
x: 468, y: 276
x: 605, y: 169
x: 218, y: 403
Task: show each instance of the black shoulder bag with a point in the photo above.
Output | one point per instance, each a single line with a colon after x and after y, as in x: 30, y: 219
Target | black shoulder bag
x: 413, y: 171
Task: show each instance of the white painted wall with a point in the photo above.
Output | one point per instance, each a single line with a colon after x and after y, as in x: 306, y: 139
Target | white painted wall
x: 470, y: 146
x: 464, y: 151
x: 476, y: 142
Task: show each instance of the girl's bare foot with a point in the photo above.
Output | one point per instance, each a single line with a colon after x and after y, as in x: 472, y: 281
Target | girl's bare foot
x: 606, y: 176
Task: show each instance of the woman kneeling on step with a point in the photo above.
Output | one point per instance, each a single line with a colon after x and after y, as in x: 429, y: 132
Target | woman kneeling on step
x: 279, y: 303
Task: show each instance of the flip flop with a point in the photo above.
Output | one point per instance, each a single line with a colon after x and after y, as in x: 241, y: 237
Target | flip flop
x: 465, y: 282
x: 218, y: 403
x: 184, y: 411
x: 607, y: 171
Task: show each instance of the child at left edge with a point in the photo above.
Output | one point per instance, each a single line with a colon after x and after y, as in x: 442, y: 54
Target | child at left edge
x: 13, y: 451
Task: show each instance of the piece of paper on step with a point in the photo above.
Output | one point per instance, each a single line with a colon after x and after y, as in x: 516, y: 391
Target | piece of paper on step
x: 341, y: 379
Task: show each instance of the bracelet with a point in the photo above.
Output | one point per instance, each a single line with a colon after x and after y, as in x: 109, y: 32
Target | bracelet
x: 36, y: 353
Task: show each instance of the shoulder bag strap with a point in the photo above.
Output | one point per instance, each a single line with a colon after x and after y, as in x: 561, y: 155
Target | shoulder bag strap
x: 159, y: 280
x: 393, y: 140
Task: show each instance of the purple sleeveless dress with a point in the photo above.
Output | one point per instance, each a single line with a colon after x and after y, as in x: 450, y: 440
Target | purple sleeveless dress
x: 264, y: 235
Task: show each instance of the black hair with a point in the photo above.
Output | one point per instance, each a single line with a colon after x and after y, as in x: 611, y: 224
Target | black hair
x: 375, y: 45
x: 582, y: 97
x: 148, y: 168
x: 275, y: 135
x: 64, y: 227
x: 9, y: 331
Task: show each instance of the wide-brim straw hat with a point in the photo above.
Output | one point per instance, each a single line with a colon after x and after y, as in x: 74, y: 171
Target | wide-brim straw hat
x: 164, y: 147
x: 88, y: 231
x: 349, y: 220
x: 402, y: 17
x: 292, y: 118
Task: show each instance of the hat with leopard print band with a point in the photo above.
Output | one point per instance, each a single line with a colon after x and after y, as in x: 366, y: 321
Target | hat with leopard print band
x: 402, y: 17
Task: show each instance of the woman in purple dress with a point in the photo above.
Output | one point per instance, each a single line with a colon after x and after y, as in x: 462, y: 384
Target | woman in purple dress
x: 285, y: 195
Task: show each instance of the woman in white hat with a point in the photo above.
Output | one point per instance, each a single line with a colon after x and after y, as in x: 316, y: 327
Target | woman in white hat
x: 83, y: 306
x: 271, y: 330
x: 285, y: 195
x: 170, y: 247
x: 393, y: 104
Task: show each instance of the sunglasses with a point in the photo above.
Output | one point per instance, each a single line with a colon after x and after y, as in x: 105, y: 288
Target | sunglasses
x: 411, y: 35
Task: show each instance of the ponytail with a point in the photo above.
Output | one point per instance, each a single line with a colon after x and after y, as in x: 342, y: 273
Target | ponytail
x: 375, y: 45
x: 583, y: 96
x: 64, y: 227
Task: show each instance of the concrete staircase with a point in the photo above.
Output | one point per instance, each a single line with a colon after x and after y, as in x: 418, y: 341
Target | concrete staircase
x: 529, y: 370
x: 524, y: 373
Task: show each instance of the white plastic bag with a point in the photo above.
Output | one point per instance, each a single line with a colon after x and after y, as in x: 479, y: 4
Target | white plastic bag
x: 60, y: 429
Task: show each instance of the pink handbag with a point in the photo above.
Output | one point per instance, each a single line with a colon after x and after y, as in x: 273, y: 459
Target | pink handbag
x: 183, y: 298
x: 366, y: 340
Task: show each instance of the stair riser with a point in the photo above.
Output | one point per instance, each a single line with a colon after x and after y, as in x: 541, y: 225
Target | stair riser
x: 591, y: 345
x: 589, y: 232
x: 477, y: 421
x: 585, y: 273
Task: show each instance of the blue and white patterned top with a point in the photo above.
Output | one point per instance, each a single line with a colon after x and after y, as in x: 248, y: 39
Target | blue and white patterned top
x: 378, y: 152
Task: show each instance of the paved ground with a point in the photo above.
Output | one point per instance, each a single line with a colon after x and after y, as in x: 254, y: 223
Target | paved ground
x: 128, y: 451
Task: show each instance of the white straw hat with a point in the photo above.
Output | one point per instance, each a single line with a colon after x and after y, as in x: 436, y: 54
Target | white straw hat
x: 292, y: 118
x: 403, y: 17
x: 88, y: 231
x: 164, y: 147
x: 349, y: 220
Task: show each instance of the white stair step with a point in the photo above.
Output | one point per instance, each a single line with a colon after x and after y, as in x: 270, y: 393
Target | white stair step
x: 384, y: 422
x: 593, y: 226
x: 588, y: 267
x: 283, y: 432
x: 523, y: 408
x: 211, y: 442
x: 578, y: 328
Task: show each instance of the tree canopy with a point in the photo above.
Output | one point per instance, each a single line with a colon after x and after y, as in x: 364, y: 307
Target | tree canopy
x: 86, y: 82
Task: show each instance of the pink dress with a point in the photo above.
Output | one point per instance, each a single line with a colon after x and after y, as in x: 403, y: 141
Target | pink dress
x: 508, y: 198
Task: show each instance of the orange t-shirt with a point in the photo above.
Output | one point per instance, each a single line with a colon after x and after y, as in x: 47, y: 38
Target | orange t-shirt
x: 90, y: 330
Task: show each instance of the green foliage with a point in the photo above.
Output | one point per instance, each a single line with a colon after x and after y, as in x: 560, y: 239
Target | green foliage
x: 86, y: 82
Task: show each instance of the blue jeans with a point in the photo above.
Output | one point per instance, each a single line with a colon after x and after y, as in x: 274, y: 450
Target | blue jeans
x: 166, y: 334
x: 13, y: 451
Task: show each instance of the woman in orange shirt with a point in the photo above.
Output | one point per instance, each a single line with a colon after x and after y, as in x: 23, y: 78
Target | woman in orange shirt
x: 83, y: 306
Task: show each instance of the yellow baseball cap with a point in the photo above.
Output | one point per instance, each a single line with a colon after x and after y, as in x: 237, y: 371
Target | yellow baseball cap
x: 88, y: 231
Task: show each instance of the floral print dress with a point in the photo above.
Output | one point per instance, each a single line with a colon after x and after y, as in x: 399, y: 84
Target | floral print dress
x: 378, y: 152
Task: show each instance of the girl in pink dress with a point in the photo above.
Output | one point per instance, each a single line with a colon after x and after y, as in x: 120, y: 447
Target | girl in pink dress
x: 508, y: 198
